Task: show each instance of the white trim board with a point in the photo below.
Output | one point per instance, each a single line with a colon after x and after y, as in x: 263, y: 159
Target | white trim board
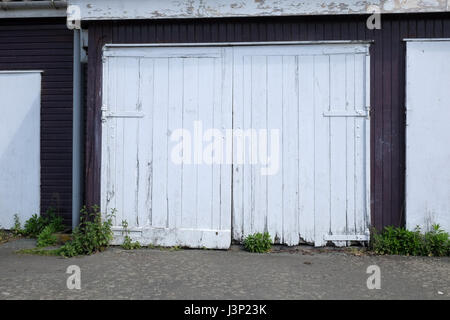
x: 188, y: 9
x: 425, y: 39
x: 311, y: 47
x: 21, y: 71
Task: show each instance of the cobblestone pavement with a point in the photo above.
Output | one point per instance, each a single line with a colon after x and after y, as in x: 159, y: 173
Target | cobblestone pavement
x: 294, y: 273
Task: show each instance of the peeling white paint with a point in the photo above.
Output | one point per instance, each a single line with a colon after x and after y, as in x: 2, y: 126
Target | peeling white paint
x: 176, y: 9
x: 321, y: 191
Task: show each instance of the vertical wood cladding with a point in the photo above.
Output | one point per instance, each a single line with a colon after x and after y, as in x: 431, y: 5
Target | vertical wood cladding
x: 46, y: 44
x: 387, y: 80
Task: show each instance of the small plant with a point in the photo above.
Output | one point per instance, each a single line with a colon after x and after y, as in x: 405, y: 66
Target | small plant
x: 33, y: 226
x: 17, y: 228
x: 36, y: 224
x: 3, y: 236
x: 56, y: 222
x: 399, y: 241
x: 436, y: 242
x: 91, y: 236
x: 128, y: 244
x: 258, y: 242
x: 46, y: 237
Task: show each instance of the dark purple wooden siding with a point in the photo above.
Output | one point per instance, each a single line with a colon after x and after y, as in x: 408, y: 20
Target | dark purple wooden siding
x: 36, y: 44
x: 387, y: 81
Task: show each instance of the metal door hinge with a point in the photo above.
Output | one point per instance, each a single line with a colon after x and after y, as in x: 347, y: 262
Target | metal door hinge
x: 104, y: 111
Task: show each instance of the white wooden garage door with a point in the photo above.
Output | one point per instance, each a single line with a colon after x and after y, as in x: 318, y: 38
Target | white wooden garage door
x: 151, y: 92
x: 277, y: 135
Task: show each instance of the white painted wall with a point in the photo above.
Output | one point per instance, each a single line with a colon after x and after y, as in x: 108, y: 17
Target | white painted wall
x: 166, y: 9
x: 428, y: 134
x: 19, y: 146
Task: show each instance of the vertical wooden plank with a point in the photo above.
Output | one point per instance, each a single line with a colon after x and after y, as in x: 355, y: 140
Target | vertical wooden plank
x: 350, y: 84
x: 238, y: 167
x: 130, y: 94
x: 367, y: 150
x: 108, y: 176
x: 175, y: 122
x: 247, y: 170
x: 377, y: 129
x: 113, y: 73
x: 103, y: 34
x: 230, y: 32
x: 259, y: 121
x: 119, y: 142
x: 311, y: 31
x: 290, y: 150
x: 226, y: 113
x: 159, y: 189
x: 205, y: 115
x: 412, y: 28
x: 360, y: 147
x: 306, y: 148
x: 429, y: 28
x: 217, y: 123
x: 275, y: 122
x: 322, y: 149
x: 303, y: 31
x: 190, y: 115
x: 386, y: 139
x: 131, y: 171
x: 401, y: 123
x: 92, y: 131
x: 396, y: 125
x: 446, y: 28
x: 145, y: 156
x: 270, y: 32
x: 338, y: 148
x: 238, y: 31
x: 320, y: 31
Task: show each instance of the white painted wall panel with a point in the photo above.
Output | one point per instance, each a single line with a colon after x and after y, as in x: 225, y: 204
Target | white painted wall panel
x: 428, y: 134
x: 20, y: 96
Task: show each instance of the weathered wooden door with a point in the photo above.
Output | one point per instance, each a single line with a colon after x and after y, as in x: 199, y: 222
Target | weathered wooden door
x: 296, y: 160
x: 316, y: 97
x: 150, y: 94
